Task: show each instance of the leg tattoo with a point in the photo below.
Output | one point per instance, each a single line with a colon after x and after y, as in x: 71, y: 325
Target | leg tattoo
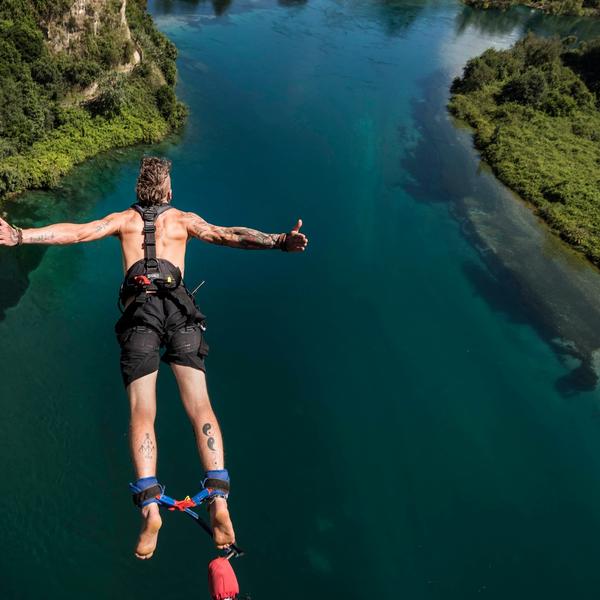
x: 147, y: 448
x: 210, y: 442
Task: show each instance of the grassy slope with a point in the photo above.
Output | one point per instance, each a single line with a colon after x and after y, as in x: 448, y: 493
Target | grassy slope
x: 550, y: 160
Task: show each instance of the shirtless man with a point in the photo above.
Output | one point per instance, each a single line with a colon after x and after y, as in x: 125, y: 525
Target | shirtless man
x: 160, y: 312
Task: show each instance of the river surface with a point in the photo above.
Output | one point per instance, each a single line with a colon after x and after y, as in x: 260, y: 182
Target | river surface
x: 410, y: 408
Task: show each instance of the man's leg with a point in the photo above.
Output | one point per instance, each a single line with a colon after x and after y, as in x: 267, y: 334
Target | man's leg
x: 142, y: 440
x: 194, y: 395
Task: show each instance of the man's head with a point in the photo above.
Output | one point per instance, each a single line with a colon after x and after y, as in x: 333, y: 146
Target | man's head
x: 154, y: 182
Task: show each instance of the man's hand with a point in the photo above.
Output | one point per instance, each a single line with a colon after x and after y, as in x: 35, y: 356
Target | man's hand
x: 296, y: 241
x: 9, y: 236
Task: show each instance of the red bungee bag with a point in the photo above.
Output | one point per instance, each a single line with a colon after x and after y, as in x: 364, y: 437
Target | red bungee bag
x: 222, y: 582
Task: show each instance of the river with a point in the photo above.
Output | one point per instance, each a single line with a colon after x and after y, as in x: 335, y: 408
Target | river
x: 410, y: 409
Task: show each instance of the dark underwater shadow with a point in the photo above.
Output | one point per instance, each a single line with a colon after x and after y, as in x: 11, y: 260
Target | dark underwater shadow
x: 525, y: 273
x: 504, y: 294
x: 72, y: 201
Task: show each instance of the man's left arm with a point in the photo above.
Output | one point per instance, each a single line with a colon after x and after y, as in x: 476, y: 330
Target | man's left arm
x: 245, y: 237
x: 60, y: 233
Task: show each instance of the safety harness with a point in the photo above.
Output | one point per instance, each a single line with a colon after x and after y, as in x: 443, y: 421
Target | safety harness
x: 149, y: 274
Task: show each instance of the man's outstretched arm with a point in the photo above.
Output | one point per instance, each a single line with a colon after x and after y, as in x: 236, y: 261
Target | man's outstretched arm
x: 60, y: 233
x: 246, y: 238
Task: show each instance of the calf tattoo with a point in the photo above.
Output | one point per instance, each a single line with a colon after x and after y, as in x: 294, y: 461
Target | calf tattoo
x: 147, y: 448
x: 207, y: 431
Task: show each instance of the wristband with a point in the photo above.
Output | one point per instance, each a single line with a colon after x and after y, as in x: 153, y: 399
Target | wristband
x: 19, y: 235
x: 282, y: 242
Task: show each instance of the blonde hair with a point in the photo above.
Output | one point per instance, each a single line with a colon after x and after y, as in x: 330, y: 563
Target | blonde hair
x: 151, y: 188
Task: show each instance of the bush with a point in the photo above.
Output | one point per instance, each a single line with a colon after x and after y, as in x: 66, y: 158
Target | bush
x: 111, y: 101
x: 81, y: 73
x: 166, y: 101
x: 477, y: 74
x: 529, y: 88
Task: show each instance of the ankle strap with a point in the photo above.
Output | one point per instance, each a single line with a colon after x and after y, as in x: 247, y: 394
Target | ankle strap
x: 146, y: 491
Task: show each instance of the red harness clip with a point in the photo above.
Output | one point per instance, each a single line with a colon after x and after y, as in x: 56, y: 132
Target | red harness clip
x: 142, y: 280
x: 187, y: 502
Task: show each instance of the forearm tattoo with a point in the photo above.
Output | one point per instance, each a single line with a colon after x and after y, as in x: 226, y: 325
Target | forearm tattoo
x: 210, y: 440
x: 147, y: 448
x: 235, y: 237
x: 250, y: 239
x: 41, y: 237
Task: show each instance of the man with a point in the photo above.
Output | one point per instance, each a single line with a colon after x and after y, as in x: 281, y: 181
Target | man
x: 160, y: 312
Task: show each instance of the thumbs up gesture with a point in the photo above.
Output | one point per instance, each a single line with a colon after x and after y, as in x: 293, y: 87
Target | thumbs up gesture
x: 296, y: 241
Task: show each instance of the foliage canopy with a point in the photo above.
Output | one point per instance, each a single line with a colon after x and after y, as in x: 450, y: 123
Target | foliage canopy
x: 535, y: 111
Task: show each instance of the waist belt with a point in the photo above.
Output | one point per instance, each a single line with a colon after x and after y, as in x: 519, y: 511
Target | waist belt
x: 138, y: 281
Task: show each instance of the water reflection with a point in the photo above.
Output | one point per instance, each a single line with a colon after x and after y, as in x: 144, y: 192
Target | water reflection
x: 395, y: 16
x: 494, y: 22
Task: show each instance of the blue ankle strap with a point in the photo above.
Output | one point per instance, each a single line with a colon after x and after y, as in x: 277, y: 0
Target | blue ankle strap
x: 146, y: 490
x: 214, y: 485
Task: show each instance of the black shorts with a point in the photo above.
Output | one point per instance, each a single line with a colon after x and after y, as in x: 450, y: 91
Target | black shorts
x: 160, y: 322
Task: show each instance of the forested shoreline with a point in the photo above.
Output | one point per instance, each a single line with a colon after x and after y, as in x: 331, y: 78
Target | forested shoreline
x: 78, y: 78
x: 535, y: 111
x: 554, y: 7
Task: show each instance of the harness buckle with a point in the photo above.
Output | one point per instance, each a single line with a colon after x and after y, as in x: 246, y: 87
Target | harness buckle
x: 142, y: 280
x: 181, y: 505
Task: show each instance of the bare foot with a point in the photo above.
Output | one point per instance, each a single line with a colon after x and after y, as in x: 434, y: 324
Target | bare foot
x: 222, y: 526
x: 151, y: 523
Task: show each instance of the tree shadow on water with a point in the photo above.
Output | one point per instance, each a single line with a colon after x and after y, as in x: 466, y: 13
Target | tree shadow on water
x: 504, y: 294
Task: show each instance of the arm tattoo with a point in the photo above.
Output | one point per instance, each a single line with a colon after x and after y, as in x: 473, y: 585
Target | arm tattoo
x: 42, y: 237
x: 101, y: 226
x: 235, y: 237
x: 249, y: 239
x: 147, y: 448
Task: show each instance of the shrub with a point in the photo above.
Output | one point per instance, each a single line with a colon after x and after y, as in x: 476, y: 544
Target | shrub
x: 110, y: 101
x: 528, y: 88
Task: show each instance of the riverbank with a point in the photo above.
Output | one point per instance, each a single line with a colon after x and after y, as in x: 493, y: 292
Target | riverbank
x: 79, y: 79
x: 534, y: 111
x: 577, y: 8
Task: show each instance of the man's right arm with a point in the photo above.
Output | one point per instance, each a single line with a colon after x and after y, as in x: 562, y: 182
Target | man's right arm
x: 60, y: 233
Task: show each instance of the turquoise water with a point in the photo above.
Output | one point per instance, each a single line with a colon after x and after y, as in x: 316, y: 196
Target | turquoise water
x: 410, y: 409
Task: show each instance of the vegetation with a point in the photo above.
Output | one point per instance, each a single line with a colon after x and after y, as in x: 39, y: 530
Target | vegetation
x: 535, y: 111
x: 72, y: 85
x: 554, y: 7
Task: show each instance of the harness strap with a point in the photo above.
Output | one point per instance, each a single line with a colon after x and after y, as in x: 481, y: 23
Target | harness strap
x: 149, y: 215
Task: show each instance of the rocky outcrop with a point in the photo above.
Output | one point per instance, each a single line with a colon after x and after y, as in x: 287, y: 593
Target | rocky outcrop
x: 85, y: 21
